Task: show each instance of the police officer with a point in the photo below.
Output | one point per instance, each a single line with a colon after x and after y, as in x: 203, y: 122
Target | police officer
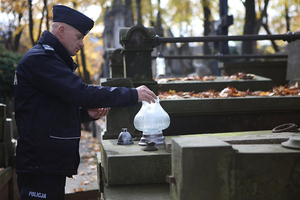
x: 51, y: 102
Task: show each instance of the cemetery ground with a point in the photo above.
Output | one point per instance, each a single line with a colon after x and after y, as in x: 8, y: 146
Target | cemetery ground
x: 84, y: 185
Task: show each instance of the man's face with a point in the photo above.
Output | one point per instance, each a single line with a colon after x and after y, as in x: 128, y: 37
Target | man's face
x: 72, y: 40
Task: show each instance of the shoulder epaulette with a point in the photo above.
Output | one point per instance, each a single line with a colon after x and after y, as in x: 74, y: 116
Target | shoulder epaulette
x: 48, y: 48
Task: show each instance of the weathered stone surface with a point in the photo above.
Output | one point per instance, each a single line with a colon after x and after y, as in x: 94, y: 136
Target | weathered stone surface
x: 196, y: 116
x: 137, y: 192
x: 118, y: 118
x: 202, y: 167
x: 208, y: 168
x: 259, y: 83
x: 3, y: 149
x: 293, y: 70
x: 238, y: 165
x: 267, y: 172
x: 116, y: 63
x: 5, y: 178
x: 129, y: 164
x: 2, y: 121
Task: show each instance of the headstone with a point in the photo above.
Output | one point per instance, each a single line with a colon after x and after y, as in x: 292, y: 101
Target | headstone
x: 118, y: 118
x: 293, y: 67
x: 116, y: 63
x: 137, y: 47
x: 115, y: 17
x: 10, y: 146
x: 3, y: 149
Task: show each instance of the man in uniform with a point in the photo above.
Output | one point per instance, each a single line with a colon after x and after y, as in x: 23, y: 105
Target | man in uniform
x: 51, y: 102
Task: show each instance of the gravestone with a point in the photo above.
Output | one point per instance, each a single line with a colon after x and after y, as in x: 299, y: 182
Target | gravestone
x: 293, y: 67
x: 3, y: 150
x: 137, y: 47
x: 118, y: 118
x: 115, y: 17
x: 136, y: 56
x: 10, y: 146
x: 116, y: 66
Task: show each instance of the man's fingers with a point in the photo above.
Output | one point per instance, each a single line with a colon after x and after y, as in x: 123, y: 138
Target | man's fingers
x: 145, y: 94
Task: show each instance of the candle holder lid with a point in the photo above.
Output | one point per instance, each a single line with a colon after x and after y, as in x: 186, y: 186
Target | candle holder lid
x: 124, y: 137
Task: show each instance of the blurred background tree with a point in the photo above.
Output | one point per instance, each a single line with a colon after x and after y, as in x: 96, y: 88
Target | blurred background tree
x: 23, y: 21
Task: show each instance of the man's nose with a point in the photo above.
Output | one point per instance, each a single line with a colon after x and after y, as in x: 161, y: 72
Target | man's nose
x: 81, y: 44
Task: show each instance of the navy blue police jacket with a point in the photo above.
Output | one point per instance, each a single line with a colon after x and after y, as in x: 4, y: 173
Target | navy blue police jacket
x: 51, y: 102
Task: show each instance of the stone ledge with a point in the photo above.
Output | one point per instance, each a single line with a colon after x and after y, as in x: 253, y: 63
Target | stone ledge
x: 129, y: 164
x: 138, y: 192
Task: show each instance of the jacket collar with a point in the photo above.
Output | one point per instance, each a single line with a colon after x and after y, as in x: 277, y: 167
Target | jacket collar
x: 49, y: 39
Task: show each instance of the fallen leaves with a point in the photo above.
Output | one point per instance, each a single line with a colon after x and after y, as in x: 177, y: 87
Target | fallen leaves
x: 236, y: 76
x: 86, y: 178
x: 239, y: 75
x: 189, y: 78
x: 293, y: 90
x: 79, y: 190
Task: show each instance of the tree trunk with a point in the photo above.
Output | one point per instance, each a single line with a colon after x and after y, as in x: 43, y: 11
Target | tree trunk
x: 275, y: 47
x: 47, y: 14
x: 17, y: 40
x: 263, y: 15
x: 30, y: 22
x: 41, y: 22
x: 79, y: 72
x: 250, y: 19
x: 252, y: 25
x: 287, y: 18
x: 86, y: 74
x: 18, y: 35
x: 207, y: 30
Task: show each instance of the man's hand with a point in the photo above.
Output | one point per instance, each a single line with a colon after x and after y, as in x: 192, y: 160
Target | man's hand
x: 145, y: 94
x: 95, y: 113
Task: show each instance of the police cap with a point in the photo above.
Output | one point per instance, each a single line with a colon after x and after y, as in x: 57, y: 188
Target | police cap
x: 72, y: 17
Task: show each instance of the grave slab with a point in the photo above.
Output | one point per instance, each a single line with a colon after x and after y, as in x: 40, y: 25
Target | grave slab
x: 215, y: 164
x: 206, y: 115
x: 218, y: 84
x: 130, y: 164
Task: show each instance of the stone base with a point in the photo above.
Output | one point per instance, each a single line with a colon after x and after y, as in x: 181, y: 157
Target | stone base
x: 138, y: 192
x: 223, y: 171
x: 130, y: 164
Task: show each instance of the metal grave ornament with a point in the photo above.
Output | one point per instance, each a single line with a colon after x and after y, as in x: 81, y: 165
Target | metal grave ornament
x: 124, y: 137
x: 151, y: 119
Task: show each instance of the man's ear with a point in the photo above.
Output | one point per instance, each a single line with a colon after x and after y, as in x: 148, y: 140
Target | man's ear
x: 61, y: 30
